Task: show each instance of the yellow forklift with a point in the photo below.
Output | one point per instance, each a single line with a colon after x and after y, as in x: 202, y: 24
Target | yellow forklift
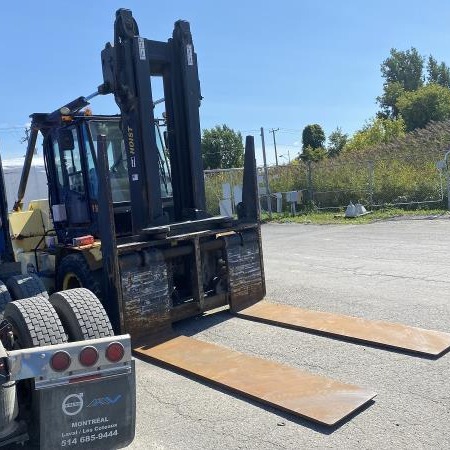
x: 129, y: 222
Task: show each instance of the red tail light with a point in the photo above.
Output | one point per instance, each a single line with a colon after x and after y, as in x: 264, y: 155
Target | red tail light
x: 60, y: 361
x: 115, y: 352
x: 88, y: 356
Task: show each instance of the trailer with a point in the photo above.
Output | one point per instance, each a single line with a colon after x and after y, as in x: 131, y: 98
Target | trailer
x: 65, y: 378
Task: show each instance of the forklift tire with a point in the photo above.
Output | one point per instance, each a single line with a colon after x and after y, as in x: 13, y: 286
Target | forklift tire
x: 35, y: 322
x: 74, y: 272
x: 5, y: 298
x: 26, y: 286
x: 81, y: 314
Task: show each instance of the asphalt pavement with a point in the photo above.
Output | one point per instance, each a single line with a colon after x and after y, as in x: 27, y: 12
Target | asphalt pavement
x: 392, y: 270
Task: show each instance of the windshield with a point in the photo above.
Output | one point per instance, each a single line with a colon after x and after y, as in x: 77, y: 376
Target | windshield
x: 117, y: 160
x: 164, y: 164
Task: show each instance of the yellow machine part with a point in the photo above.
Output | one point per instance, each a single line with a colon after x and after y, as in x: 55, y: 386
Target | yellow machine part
x: 43, y: 206
x: 27, y: 229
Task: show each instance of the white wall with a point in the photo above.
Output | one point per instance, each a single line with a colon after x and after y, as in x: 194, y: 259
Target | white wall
x: 37, y: 181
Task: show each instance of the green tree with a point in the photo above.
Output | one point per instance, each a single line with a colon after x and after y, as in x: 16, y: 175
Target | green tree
x: 429, y: 103
x: 376, y: 131
x: 402, y: 71
x: 313, y: 154
x: 222, y: 148
x: 404, y: 67
x: 336, y: 142
x: 313, y: 136
x: 438, y: 73
x: 388, y: 101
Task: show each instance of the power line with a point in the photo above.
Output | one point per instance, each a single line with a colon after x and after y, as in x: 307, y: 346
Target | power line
x: 290, y: 130
x: 249, y: 131
x: 13, y: 128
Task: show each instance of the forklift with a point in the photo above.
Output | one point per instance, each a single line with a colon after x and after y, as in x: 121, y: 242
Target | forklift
x: 128, y: 213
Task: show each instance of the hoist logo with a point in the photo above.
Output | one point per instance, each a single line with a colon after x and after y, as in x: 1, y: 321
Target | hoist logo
x: 72, y: 404
x: 130, y: 140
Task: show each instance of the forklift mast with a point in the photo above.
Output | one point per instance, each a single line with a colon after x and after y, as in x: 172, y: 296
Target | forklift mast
x: 128, y: 67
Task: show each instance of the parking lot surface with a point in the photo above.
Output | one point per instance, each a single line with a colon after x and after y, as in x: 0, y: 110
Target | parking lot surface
x: 392, y: 270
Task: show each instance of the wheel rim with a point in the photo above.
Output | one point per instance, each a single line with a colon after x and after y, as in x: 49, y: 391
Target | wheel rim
x: 71, y: 281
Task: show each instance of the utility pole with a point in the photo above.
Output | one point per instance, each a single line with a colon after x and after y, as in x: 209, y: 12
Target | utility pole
x: 266, y: 174
x: 273, y: 130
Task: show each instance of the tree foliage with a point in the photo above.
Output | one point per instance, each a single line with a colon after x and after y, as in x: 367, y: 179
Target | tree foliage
x: 389, y: 98
x: 404, y: 91
x: 222, y: 148
x: 426, y: 104
x: 377, y: 131
x: 313, y: 136
x: 404, y: 67
x: 402, y: 71
x: 336, y: 142
x: 313, y: 154
x: 438, y: 73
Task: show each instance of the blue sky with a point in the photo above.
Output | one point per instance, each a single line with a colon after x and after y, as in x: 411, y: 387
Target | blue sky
x: 281, y: 64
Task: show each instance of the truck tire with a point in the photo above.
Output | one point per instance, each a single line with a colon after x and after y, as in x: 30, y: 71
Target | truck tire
x: 5, y: 298
x: 35, y: 323
x: 26, y: 286
x: 74, y: 272
x: 81, y: 314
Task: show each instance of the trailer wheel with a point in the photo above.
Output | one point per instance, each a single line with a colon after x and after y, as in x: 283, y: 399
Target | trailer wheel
x: 5, y: 298
x: 35, y: 322
x: 74, y: 272
x: 26, y: 286
x: 81, y: 314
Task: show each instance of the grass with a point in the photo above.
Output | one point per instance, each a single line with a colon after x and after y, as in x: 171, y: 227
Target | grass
x: 326, y: 217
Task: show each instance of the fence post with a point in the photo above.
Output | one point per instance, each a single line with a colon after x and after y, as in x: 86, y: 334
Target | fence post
x: 448, y: 187
x: 310, y: 185
x: 371, y: 168
x: 447, y: 172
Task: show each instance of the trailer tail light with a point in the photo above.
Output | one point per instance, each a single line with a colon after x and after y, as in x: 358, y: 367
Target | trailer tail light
x: 60, y: 361
x: 88, y: 356
x: 115, y: 352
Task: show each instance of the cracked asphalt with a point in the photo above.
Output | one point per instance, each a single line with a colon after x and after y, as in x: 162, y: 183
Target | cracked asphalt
x: 392, y: 270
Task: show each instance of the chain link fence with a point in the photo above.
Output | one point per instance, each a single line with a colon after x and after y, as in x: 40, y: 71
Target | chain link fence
x: 408, y: 171
x: 397, y: 180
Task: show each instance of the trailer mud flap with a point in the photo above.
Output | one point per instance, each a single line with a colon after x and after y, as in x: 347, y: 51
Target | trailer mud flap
x: 98, y: 414
x: 301, y: 393
x: 384, y: 334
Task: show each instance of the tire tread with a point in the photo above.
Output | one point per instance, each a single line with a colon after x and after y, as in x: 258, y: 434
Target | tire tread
x: 36, y: 322
x: 82, y: 314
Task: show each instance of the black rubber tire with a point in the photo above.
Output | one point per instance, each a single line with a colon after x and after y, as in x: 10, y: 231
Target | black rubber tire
x: 5, y: 298
x: 26, y: 286
x: 81, y: 314
x: 35, y: 322
x: 76, y: 264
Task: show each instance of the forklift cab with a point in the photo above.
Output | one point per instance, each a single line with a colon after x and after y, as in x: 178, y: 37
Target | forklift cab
x: 71, y: 157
